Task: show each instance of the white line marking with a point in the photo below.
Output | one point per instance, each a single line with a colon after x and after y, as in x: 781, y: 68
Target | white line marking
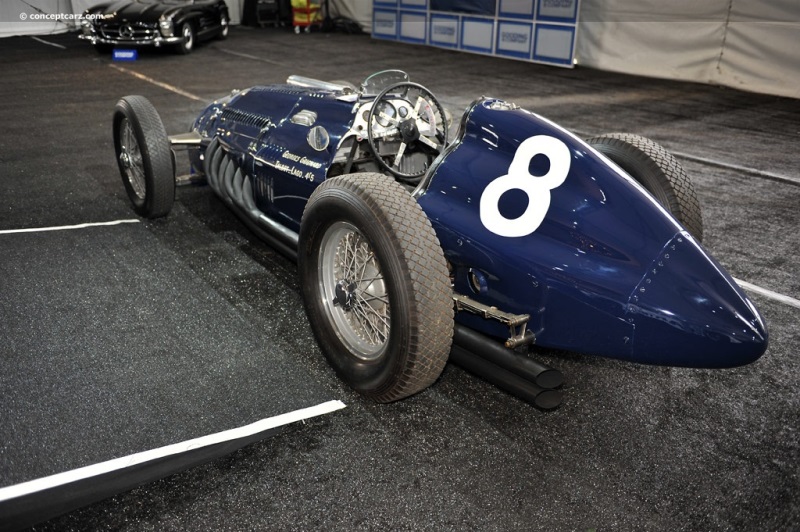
x: 66, y: 227
x: 253, y: 57
x: 161, y: 84
x: 49, y: 43
x: 60, y: 479
x: 786, y: 300
x: 730, y: 166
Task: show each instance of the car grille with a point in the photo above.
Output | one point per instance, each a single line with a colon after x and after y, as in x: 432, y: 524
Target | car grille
x: 246, y: 118
x: 130, y: 31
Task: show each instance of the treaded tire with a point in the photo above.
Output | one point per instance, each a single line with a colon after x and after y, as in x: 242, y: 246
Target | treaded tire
x: 382, y: 216
x: 144, y: 156
x: 225, y: 23
x: 189, y: 39
x: 657, y: 171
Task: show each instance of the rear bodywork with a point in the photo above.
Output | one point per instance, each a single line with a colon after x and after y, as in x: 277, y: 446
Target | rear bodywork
x: 548, y: 241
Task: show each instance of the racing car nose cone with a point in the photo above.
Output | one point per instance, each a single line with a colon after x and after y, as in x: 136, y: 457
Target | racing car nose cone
x: 687, y: 311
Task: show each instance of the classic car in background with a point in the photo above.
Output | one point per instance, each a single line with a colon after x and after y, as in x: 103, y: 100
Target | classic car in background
x: 414, y: 248
x: 177, y: 23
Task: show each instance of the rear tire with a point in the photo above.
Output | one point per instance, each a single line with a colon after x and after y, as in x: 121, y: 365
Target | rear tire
x: 656, y: 170
x: 144, y: 156
x: 375, y: 286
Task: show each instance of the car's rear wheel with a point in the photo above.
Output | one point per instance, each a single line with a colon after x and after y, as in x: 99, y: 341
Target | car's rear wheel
x: 144, y: 156
x: 656, y: 170
x: 375, y: 286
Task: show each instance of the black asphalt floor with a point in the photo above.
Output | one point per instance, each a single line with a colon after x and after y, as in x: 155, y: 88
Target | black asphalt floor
x: 631, y: 448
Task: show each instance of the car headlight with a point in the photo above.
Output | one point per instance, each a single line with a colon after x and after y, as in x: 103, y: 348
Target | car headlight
x: 166, y: 28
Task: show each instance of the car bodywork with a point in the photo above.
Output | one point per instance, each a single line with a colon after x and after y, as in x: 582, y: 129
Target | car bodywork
x: 547, y: 241
x: 154, y: 22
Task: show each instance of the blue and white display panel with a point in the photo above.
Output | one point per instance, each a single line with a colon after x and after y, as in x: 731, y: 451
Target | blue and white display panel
x: 517, y: 8
x: 414, y: 4
x: 444, y: 30
x: 558, y: 10
x: 384, y: 23
x: 541, y: 31
x: 554, y: 44
x: 514, y: 39
x: 413, y: 26
x: 477, y: 35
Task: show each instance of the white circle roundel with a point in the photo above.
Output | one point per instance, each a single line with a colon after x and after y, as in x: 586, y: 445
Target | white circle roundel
x: 537, y: 188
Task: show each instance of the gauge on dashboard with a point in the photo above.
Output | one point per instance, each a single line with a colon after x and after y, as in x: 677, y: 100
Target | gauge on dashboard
x: 385, y: 114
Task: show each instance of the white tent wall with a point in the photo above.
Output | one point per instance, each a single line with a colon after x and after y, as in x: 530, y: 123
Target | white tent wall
x: 752, y: 45
x: 357, y: 10
x: 15, y: 17
x: 12, y: 13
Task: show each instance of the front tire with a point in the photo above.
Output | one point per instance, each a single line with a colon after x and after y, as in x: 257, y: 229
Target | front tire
x: 224, y: 27
x: 375, y: 286
x: 656, y: 170
x: 187, y: 33
x: 144, y: 156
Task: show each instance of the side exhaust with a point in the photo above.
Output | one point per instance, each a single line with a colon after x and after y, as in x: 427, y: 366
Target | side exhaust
x: 515, y: 373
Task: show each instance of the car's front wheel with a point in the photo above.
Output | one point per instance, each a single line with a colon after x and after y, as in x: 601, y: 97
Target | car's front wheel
x: 375, y: 286
x: 187, y: 43
x: 144, y: 156
x: 224, y: 24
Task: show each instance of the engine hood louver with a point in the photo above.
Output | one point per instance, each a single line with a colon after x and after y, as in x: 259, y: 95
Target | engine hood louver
x: 245, y: 118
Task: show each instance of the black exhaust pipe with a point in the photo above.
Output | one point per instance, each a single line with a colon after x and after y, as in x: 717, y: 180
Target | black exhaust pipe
x: 520, y: 376
x: 483, y: 346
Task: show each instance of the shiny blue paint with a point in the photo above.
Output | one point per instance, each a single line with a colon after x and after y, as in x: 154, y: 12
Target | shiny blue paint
x: 608, y: 272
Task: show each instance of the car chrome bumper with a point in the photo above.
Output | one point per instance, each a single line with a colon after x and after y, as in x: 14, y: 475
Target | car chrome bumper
x: 156, y: 41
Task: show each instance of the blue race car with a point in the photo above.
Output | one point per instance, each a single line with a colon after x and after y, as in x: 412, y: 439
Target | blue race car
x: 416, y: 244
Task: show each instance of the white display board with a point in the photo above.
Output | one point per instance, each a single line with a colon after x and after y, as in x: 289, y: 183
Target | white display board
x: 541, y: 31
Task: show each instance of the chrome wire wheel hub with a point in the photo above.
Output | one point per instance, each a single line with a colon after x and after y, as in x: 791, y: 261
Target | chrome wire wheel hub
x: 354, y: 292
x: 130, y: 157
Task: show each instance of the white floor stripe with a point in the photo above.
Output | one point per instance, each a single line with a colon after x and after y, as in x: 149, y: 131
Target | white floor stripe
x: 66, y: 227
x: 60, y: 479
x: 730, y: 166
x: 786, y: 300
x: 253, y: 57
x: 49, y: 43
x: 161, y: 84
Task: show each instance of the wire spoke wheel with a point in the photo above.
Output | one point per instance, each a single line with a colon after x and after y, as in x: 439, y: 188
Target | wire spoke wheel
x: 144, y: 156
x: 358, y: 302
x: 131, y: 159
x: 375, y: 285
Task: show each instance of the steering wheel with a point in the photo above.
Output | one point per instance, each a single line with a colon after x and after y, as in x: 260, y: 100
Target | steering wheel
x: 406, y: 129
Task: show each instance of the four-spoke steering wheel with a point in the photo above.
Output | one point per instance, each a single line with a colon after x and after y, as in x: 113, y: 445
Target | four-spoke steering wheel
x: 406, y: 125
